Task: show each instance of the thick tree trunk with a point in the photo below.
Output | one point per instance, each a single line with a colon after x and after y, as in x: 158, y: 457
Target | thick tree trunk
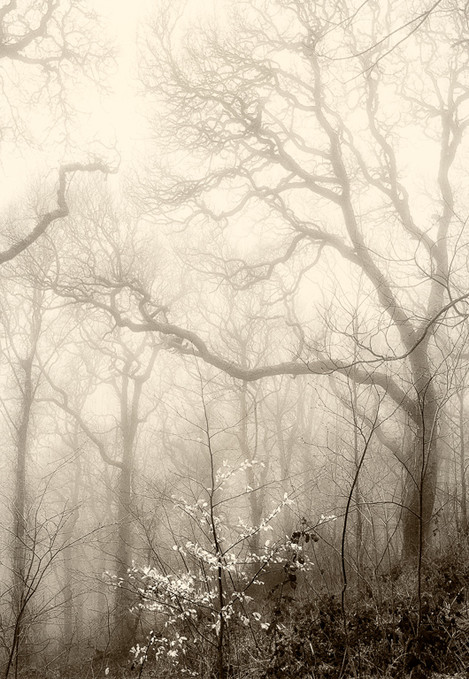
x: 421, y: 478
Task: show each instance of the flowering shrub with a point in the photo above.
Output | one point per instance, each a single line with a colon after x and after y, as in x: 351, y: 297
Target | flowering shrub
x: 204, y: 610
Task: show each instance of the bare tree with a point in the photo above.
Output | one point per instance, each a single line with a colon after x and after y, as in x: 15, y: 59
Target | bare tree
x: 306, y: 198
x: 129, y: 368
x: 22, y: 335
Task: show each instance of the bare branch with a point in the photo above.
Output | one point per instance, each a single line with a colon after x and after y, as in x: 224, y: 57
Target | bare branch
x: 59, y: 213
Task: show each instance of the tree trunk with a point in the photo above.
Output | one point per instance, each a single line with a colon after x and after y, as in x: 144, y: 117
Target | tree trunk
x: 255, y: 496
x: 19, y: 502
x: 129, y: 404
x: 123, y: 622
x: 420, y: 480
x: 462, y: 464
x: 69, y: 627
x: 19, y: 514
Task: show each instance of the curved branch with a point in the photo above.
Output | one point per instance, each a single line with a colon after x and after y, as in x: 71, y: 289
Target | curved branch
x: 61, y: 211
x: 64, y: 405
x: 191, y: 344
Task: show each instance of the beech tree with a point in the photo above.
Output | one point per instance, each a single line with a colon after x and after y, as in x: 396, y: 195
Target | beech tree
x: 296, y: 136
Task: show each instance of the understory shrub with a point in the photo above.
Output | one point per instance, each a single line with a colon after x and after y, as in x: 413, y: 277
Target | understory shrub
x: 387, y: 630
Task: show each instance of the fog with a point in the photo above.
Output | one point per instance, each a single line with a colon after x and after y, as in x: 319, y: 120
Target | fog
x: 233, y: 330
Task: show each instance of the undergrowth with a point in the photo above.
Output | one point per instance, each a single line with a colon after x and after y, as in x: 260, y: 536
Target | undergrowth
x: 384, y: 630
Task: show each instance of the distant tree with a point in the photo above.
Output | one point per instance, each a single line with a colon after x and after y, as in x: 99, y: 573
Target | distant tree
x: 21, y: 327
x: 128, y: 366
x: 41, y: 532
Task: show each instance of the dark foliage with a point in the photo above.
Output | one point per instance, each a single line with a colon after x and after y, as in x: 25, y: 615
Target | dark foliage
x: 396, y: 634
